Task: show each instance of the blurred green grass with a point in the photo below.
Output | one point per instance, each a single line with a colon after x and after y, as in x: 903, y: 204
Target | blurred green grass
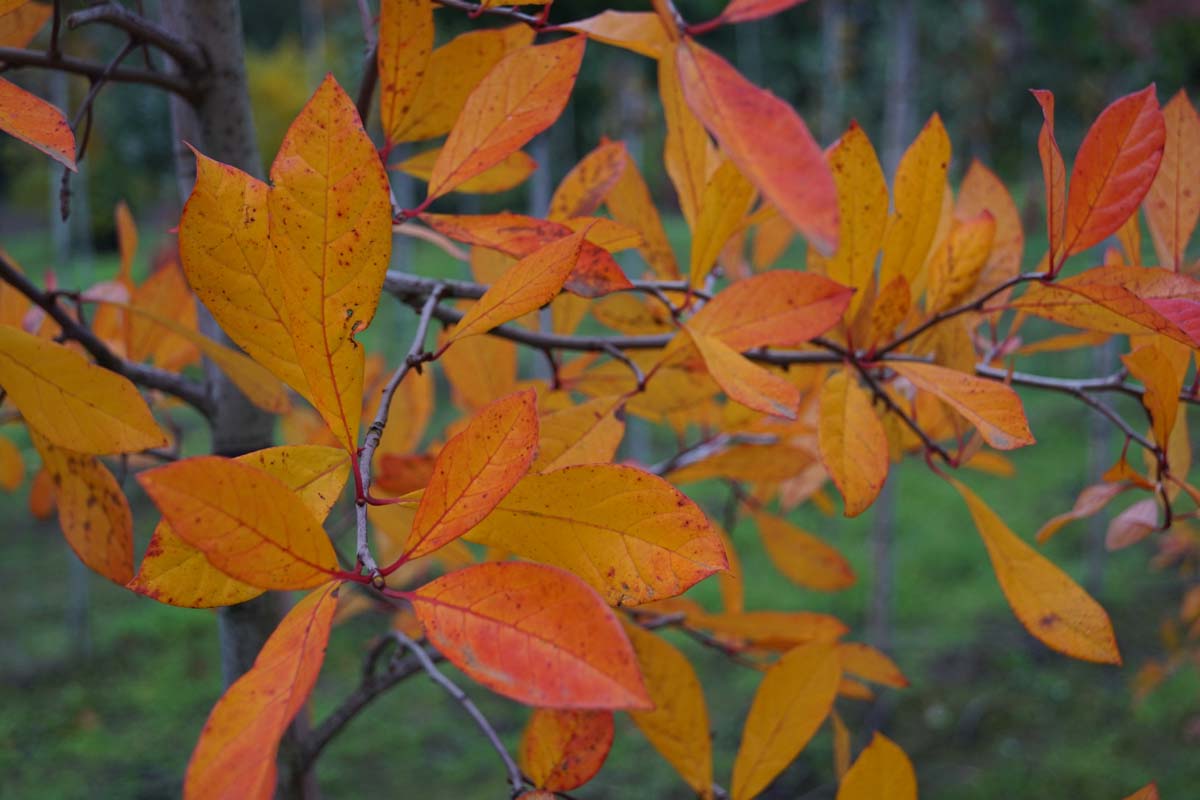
x: 991, y: 713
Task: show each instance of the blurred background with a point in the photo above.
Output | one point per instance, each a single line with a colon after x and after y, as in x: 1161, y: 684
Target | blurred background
x: 102, y: 694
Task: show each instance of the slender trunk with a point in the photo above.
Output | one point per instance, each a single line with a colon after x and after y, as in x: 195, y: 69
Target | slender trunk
x: 899, y: 113
x: 221, y: 125
x: 833, y: 70
x: 1099, y: 456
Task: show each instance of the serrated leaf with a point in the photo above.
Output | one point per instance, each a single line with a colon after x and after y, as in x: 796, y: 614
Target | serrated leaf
x: 248, y: 523
x: 1047, y: 602
x: 992, y: 407
x: 882, y: 771
x: 795, y: 696
x: 631, y: 535
x: 534, y: 633
x: 35, y: 122
x: 73, y: 403
x: 235, y: 756
x: 562, y: 750
x: 853, y: 443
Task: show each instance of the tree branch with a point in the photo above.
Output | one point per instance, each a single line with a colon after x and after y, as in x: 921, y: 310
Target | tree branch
x: 475, y: 10
x: 192, y: 393
x: 12, y: 57
x: 188, y: 55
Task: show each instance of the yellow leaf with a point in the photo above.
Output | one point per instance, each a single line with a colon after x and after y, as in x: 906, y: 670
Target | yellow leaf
x: 801, y: 557
x: 1154, y: 368
x: 331, y: 232
x: 480, y: 369
x: 1048, y: 603
x: 841, y: 745
x: 773, y: 630
x: 12, y: 465
x: 678, y: 724
x: 588, y: 433
x: 176, y: 573
x: 795, y: 696
x: 992, y: 407
x: 862, y: 210
x: 724, y: 203
x: 412, y: 405
x: 639, y: 31
x: 248, y: 523
x: 73, y: 403
x: 630, y: 203
x: 743, y: 380
x: 956, y: 265
x: 917, y: 194
x: 873, y: 665
x: 755, y: 463
x: 584, y: 188
x: 881, y: 772
x: 982, y: 191
x: 629, y: 534
x: 510, y: 172
x: 92, y: 510
x: 854, y: 446
x: 772, y: 238
x: 518, y: 99
x: 405, y: 45
x: 685, y: 149
x: 777, y: 308
x: 166, y: 294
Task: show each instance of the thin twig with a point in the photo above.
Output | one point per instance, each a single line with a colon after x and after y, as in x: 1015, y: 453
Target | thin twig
x: 188, y: 55
x: 475, y: 10
x: 515, y: 779
x: 56, y: 26
x: 881, y: 394
x: 12, y: 57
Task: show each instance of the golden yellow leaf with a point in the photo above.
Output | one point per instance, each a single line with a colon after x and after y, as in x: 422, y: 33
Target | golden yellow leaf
x: 881, y: 772
x: 854, y: 446
x: 405, y: 45
x: 480, y: 369
x: 630, y: 203
x: 724, y: 204
x: 510, y: 172
x: 917, y: 196
x: 871, y: 664
x: 801, y: 557
x: 639, y: 31
x: 743, y: 380
x: 992, y: 407
x: 588, y: 433
x: 862, y: 197
x: 955, y: 266
x: 1151, y: 365
x: 685, y: 149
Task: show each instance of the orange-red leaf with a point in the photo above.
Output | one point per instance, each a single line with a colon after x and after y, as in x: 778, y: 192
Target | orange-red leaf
x: 1173, y: 204
x: 1113, y: 169
x: 766, y: 138
x: 992, y: 407
x: 235, y: 756
x: 475, y: 470
x: 405, y: 44
x: 854, y: 445
x: 795, y: 696
x: 534, y: 633
x: 747, y: 10
x: 882, y: 772
x: 248, y: 523
x: 562, y: 750
x: 36, y: 122
x: 1054, y: 172
x: 745, y: 381
x: 1048, y: 603
x: 1147, y: 792
x: 517, y: 100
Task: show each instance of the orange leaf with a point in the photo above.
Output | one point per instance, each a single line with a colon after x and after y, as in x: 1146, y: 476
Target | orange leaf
x: 766, y: 139
x: 678, y: 723
x: 584, y: 188
x: 882, y: 770
x: 36, y: 122
x: 1173, y: 204
x: 755, y: 463
x: 747, y: 10
x: 686, y: 147
x: 631, y: 535
x: 480, y: 369
x: 917, y: 195
x: 18, y: 26
x: 775, y: 309
x: 724, y: 203
x: 401, y: 474
x: 248, y: 523
x: 801, y: 557
x: 630, y: 203
x: 992, y: 407
x: 235, y: 756
x: 517, y: 100
x: 639, y: 31
x: 475, y: 470
x: 331, y: 232
x: 92, y: 510
x: 854, y: 446
x: 873, y: 665
x: 955, y: 267
x: 176, y: 573
x: 12, y: 465
x: 1054, y: 173
x: 982, y: 191
x: 452, y: 72
x: 1090, y: 501
x: 73, y: 403
x: 1113, y: 169
x: 412, y: 406
x: 795, y: 696
x: 510, y: 172
x: 1132, y: 525
x: 43, y: 494
x: 774, y: 630
x: 534, y: 633
x: 526, y: 286
x: 1147, y: 792
x: 405, y: 45
x: 1151, y: 365
x: 743, y: 380
x: 562, y: 750
x: 588, y: 433
x: 862, y: 198
x: 1048, y: 603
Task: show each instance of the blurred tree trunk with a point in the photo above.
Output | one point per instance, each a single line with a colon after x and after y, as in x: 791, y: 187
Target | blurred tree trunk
x: 899, y: 112
x: 1099, y: 455
x: 220, y: 125
x: 833, y: 70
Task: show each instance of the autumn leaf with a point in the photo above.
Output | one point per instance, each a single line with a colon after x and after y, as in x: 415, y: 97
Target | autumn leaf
x: 1151, y: 365
x: 639, y: 31
x: 747, y: 10
x: 870, y: 664
x: 1090, y: 501
x: 724, y: 204
x: 12, y: 465
x: 853, y: 443
x: 1147, y: 792
x: 35, y: 122
x: 801, y: 557
x: 518, y: 99
x: 509, y: 173
x: 480, y: 369
x: 992, y: 407
x: 588, y: 433
x: 176, y: 573
x: 1132, y: 525
x: 248, y: 523
x: 562, y: 750
x: 982, y: 191
x: 955, y: 266
x: 767, y: 140
x: 330, y: 225
x: 630, y: 203
x: 1054, y: 174
x: 919, y: 187
x: 1047, y: 602
x: 795, y: 696
x: 534, y: 633
x: 19, y: 25
x: 881, y: 771
x: 686, y: 147
x: 1173, y: 203
x: 235, y: 756
x: 475, y: 470
x: 74, y: 404
x: 583, y: 190
x: 92, y: 510
x: 629, y: 534
x: 678, y: 723
x: 405, y: 45
x: 743, y: 380
x: 774, y: 630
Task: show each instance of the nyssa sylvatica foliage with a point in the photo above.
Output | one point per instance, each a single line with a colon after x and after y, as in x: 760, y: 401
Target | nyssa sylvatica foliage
x: 514, y: 546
